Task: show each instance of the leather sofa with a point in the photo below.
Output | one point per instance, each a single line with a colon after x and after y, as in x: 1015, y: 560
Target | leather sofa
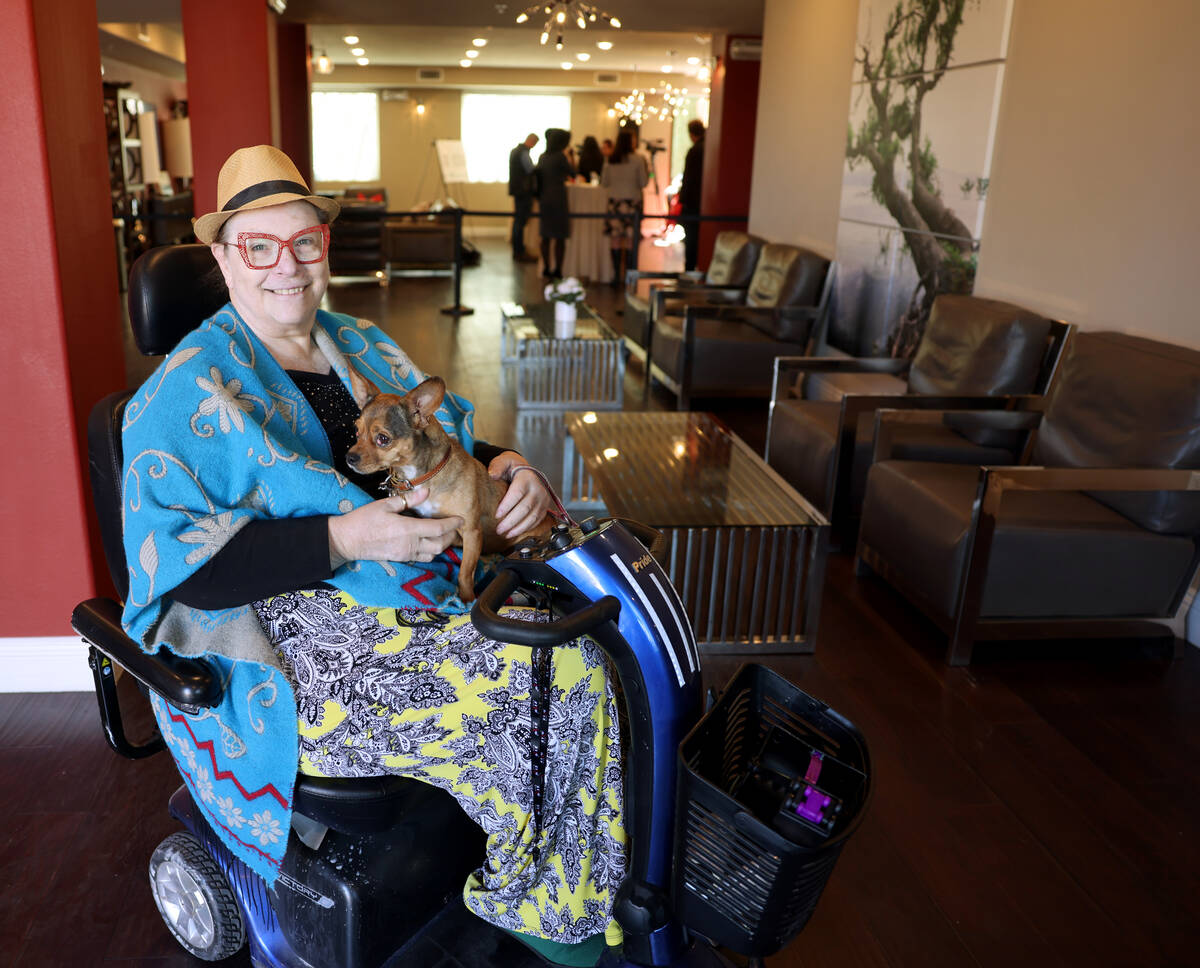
x: 1097, y: 535
x: 974, y: 353
x: 729, y: 350
x: 734, y: 257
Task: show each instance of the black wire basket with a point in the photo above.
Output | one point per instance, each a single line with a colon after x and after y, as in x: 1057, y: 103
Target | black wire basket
x: 772, y: 783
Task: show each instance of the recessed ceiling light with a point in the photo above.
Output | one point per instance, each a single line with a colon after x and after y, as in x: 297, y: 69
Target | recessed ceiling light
x: 480, y: 42
x: 472, y: 53
x: 465, y: 62
x: 693, y: 61
x: 350, y: 39
x: 362, y: 61
x: 604, y: 44
x: 357, y: 51
x: 666, y: 68
x: 566, y: 65
x: 583, y: 55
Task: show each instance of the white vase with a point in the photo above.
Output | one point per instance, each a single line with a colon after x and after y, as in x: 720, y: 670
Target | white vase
x: 564, y: 320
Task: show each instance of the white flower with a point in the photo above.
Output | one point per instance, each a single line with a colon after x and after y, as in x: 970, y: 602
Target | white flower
x: 233, y: 815
x: 265, y: 828
x: 568, y: 290
x: 226, y: 400
x: 203, y: 785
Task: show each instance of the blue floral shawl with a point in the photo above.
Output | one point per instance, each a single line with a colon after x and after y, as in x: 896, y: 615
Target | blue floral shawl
x: 219, y: 436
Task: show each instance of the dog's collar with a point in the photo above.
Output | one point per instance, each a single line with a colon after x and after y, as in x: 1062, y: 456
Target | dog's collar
x: 400, y: 485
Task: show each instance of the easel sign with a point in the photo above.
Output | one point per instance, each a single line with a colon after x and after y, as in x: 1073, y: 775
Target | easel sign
x: 452, y: 160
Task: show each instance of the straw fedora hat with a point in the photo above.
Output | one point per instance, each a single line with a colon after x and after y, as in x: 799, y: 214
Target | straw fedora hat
x: 256, y: 178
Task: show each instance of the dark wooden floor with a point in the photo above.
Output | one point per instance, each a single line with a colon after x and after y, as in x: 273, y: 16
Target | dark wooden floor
x: 1037, y: 808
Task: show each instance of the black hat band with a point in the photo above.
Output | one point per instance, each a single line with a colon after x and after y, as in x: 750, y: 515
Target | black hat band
x: 262, y: 190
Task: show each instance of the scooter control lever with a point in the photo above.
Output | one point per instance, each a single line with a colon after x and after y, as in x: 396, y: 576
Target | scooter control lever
x: 485, y: 616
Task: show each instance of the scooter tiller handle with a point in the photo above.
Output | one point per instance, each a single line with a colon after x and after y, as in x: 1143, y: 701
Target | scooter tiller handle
x: 535, y: 634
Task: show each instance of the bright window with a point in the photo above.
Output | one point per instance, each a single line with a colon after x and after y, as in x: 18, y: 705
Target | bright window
x: 345, y: 128
x: 494, y: 124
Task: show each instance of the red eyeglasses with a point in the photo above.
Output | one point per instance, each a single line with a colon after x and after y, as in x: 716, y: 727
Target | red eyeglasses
x: 261, y: 250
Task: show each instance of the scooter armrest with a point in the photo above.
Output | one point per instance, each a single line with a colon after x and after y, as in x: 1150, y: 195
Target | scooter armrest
x: 181, y: 681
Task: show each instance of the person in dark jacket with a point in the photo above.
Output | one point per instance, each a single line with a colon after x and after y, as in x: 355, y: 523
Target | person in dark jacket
x: 554, y: 170
x: 521, y: 188
x: 689, y: 193
x: 591, y: 158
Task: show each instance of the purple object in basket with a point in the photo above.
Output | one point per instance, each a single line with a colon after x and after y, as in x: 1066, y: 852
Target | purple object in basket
x: 812, y: 804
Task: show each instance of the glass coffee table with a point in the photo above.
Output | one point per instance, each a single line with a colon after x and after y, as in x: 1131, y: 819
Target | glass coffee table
x: 745, y: 551
x: 587, y: 370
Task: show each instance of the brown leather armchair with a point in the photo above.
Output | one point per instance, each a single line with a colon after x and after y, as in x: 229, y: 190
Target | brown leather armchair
x: 734, y: 257
x: 1098, y: 535
x: 729, y: 351
x: 975, y: 352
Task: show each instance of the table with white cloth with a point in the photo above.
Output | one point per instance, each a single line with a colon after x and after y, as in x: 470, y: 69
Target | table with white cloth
x: 587, y: 254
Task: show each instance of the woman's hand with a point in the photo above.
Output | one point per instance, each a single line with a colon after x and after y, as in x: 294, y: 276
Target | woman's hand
x: 525, y: 502
x: 380, y: 532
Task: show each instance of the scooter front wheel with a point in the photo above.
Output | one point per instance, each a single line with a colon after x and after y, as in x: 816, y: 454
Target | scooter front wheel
x: 194, y: 899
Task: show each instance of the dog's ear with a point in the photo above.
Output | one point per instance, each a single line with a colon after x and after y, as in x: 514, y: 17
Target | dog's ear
x: 424, y: 400
x: 363, y: 389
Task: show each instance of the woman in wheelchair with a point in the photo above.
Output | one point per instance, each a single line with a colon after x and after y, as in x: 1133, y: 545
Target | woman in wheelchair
x: 332, y: 615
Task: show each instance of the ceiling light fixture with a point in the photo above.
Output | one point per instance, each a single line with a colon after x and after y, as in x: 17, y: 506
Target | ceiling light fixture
x: 693, y: 61
x: 604, y: 44
x: 350, y: 39
x: 420, y: 107
x: 465, y: 62
x: 472, y: 53
x: 357, y: 51
x: 480, y: 42
x: 583, y: 55
x: 362, y: 61
x: 566, y: 65
x: 324, y: 64
x: 560, y: 13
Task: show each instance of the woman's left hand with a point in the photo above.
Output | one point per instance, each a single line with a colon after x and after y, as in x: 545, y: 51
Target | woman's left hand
x: 525, y: 502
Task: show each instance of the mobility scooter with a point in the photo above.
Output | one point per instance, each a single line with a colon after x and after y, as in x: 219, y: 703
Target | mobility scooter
x: 735, y: 816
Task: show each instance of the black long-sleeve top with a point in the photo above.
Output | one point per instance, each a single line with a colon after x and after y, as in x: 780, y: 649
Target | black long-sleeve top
x: 274, y: 555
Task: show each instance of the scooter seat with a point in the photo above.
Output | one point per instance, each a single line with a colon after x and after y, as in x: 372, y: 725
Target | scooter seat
x: 357, y: 805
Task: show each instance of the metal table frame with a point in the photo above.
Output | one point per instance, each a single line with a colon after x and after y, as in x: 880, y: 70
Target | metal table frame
x: 587, y: 370
x: 752, y: 587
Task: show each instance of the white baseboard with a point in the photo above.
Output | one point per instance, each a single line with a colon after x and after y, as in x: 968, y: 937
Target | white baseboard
x: 50, y: 664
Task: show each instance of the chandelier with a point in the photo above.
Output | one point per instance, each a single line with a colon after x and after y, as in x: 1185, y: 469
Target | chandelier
x: 561, y: 13
x: 639, y: 105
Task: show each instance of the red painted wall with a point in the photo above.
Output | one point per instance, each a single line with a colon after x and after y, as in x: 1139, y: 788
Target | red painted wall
x: 295, y: 101
x: 62, y: 308
x: 229, y: 84
x: 729, y: 146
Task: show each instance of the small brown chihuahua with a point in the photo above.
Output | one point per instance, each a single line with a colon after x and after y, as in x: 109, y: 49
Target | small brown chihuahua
x: 402, y: 434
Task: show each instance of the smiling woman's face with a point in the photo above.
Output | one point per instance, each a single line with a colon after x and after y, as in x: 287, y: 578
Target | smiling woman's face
x: 281, y: 301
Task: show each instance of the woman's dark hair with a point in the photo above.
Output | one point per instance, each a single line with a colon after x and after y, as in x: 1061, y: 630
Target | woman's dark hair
x: 591, y: 158
x: 623, y: 149
x: 557, y: 139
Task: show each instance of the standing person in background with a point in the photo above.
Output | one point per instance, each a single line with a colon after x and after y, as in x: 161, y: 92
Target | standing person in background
x: 554, y: 170
x: 624, y: 176
x: 521, y: 186
x: 606, y: 147
x: 591, y: 158
x: 689, y: 193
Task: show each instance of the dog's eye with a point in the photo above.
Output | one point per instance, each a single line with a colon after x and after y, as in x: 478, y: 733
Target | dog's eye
x: 382, y: 440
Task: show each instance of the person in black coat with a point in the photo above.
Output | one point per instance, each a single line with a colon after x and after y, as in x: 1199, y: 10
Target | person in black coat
x: 591, y: 158
x: 554, y: 170
x: 689, y: 193
x: 521, y: 188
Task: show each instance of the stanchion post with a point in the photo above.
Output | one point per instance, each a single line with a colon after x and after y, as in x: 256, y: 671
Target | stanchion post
x: 637, y: 241
x: 458, y: 309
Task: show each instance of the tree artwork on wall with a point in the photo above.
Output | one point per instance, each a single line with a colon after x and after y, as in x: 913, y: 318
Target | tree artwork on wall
x: 917, y: 99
